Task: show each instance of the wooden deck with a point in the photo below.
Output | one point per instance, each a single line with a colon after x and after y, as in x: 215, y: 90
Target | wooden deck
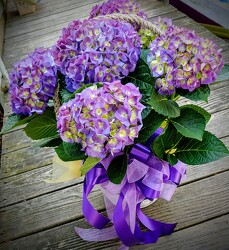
x: 38, y: 215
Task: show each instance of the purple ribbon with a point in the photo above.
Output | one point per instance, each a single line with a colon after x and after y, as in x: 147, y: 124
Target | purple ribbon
x: 147, y: 177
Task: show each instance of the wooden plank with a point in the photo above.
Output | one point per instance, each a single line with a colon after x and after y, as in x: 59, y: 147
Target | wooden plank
x: 24, y: 29
x: 25, y: 159
x: 19, y: 33
x: 31, y: 184
x: 218, y: 100
x: 44, y: 212
x: 14, y: 141
x: 45, y: 30
x: 209, y: 235
x: 44, y: 9
x: 219, y: 124
x: 208, y: 199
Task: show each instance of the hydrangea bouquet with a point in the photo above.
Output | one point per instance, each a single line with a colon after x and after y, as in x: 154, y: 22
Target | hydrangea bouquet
x: 106, y: 94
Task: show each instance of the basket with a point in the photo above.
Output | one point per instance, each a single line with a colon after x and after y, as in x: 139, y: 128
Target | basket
x: 24, y: 7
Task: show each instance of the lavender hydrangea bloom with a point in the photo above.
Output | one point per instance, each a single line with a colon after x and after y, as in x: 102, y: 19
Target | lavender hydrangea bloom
x: 32, y: 82
x: 181, y: 59
x: 118, y: 6
x: 163, y: 23
x: 104, y: 120
x: 96, y: 50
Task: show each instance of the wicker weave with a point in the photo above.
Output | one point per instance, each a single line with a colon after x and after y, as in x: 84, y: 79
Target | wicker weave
x: 24, y: 7
x: 131, y: 18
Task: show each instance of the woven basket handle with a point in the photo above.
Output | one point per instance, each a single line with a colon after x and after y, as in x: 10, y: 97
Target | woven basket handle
x: 134, y: 19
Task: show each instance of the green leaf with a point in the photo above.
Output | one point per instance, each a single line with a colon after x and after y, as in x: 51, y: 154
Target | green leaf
x: 144, y: 54
x: 172, y: 160
x: 66, y: 95
x: 15, y: 121
x: 146, y: 111
x: 164, y: 106
x: 43, y: 126
x: 223, y: 74
x: 117, y: 169
x: 200, y: 94
x: 89, y: 163
x: 70, y: 151
x: 217, y: 30
x: 150, y: 124
x: 48, y: 142
x: 200, y: 110
x: 141, y: 78
x: 166, y: 144
x: 190, y: 123
x: 194, y: 152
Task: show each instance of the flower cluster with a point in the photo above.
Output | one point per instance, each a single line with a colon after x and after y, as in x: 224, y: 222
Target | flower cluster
x: 147, y: 36
x: 163, y: 23
x: 95, y: 51
x: 104, y: 120
x: 181, y: 59
x: 117, y: 6
x: 32, y: 82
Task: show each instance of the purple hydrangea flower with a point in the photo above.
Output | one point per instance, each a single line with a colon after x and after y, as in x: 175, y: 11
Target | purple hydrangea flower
x: 104, y: 120
x: 163, y: 23
x: 182, y: 59
x: 32, y: 82
x: 118, y: 6
x: 96, y: 50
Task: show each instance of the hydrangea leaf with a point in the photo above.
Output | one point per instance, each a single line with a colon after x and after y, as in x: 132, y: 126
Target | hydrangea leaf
x: 190, y: 123
x: 117, y: 169
x: 48, y: 142
x: 15, y: 121
x: 200, y: 110
x: 172, y: 160
x: 146, y: 111
x: 70, y: 151
x: 165, y: 144
x: 200, y: 94
x: 144, y: 54
x: 43, y: 126
x: 223, y: 74
x: 89, y: 163
x: 164, y: 106
x: 190, y: 151
x: 150, y: 124
x: 141, y: 78
x: 194, y: 152
x: 65, y: 95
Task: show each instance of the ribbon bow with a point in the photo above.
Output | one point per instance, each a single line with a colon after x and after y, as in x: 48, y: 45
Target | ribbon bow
x: 147, y: 177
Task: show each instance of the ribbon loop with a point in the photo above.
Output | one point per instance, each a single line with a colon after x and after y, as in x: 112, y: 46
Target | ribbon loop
x: 147, y: 177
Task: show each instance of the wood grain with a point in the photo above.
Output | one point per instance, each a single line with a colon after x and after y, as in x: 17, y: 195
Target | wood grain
x: 25, y: 160
x: 192, y: 204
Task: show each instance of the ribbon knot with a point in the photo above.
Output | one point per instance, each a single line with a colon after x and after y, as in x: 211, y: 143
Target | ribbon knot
x: 147, y: 177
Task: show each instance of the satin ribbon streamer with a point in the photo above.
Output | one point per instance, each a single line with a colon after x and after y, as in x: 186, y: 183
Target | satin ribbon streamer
x: 147, y: 177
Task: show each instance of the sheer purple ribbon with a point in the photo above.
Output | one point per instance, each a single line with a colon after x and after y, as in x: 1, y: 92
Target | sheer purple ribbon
x: 147, y: 177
